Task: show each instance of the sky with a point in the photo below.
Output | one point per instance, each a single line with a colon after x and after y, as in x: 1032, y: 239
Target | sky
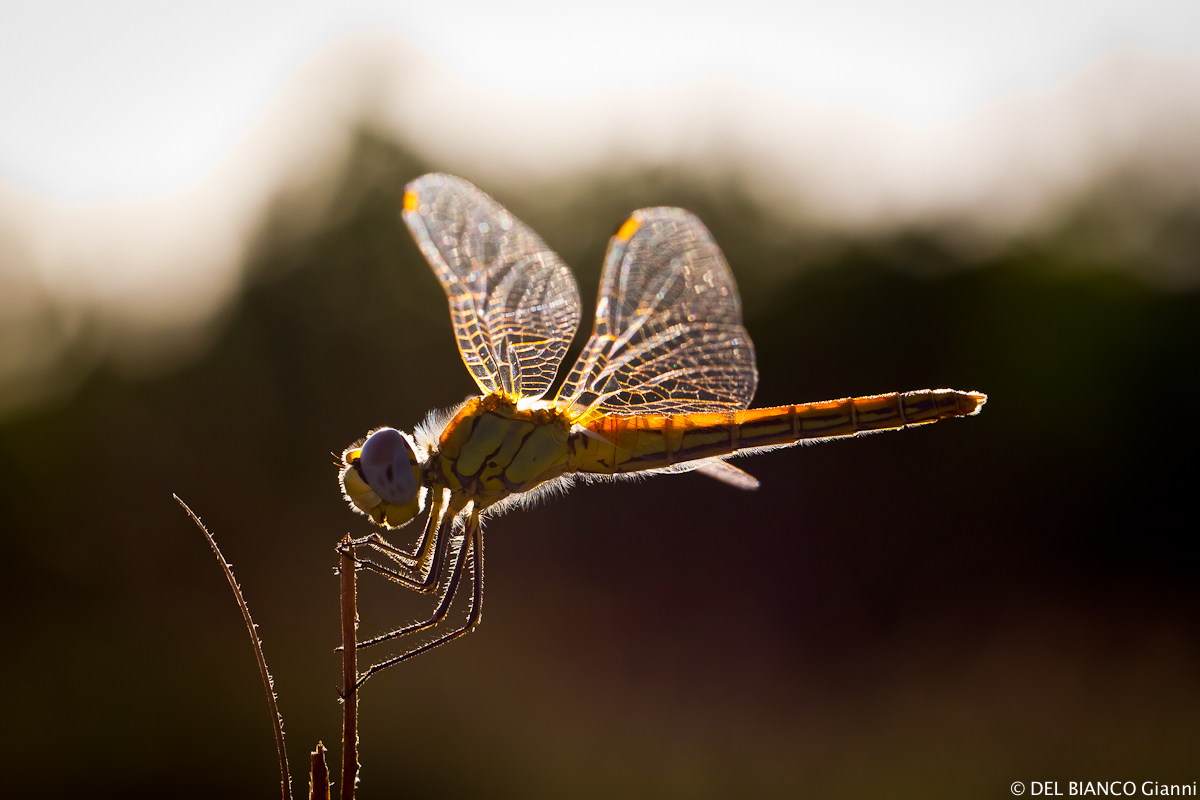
x: 129, y: 98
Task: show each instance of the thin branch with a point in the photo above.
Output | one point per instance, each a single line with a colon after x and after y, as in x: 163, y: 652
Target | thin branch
x: 346, y: 568
x: 268, y: 683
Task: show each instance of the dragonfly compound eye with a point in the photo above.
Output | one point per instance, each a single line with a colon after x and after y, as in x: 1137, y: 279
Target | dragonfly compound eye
x: 389, y: 467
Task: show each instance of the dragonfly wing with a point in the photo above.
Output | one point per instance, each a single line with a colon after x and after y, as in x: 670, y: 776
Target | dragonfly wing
x: 728, y: 473
x: 513, y: 301
x: 668, y: 337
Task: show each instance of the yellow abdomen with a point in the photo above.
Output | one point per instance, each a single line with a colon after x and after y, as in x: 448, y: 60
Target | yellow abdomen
x: 636, y: 443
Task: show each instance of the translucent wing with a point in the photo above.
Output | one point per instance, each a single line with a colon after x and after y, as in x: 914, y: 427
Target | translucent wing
x: 728, y: 473
x: 513, y: 302
x: 668, y: 336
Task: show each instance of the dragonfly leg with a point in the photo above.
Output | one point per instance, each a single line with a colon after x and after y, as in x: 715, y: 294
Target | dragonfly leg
x: 416, y: 558
x: 435, y: 576
x: 424, y: 576
x: 473, y: 539
x: 418, y: 583
x: 445, y: 598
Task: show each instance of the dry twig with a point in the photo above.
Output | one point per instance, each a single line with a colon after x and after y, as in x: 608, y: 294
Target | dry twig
x: 268, y: 683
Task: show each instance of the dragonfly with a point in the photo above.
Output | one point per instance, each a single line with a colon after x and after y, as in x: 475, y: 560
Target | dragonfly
x: 663, y: 385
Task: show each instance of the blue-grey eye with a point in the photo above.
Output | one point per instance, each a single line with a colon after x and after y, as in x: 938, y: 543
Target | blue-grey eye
x: 387, y: 463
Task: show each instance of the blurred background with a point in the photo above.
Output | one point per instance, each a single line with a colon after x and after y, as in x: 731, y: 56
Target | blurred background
x: 206, y: 289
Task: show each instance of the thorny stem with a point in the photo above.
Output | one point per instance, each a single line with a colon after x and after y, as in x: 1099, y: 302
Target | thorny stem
x: 346, y: 568
x: 268, y: 683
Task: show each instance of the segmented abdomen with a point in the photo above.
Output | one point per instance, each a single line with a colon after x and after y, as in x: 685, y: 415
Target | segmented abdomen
x: 635, y: 443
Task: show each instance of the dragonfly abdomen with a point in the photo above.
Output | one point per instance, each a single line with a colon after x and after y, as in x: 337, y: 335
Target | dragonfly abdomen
x: 636, y: 443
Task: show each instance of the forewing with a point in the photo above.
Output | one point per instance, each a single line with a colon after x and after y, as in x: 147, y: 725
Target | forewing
x: 668, y: 337
x: 513, y: 302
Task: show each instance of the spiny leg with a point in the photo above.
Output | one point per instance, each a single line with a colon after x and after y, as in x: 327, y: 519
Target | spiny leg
x: 425, y: 580
x: 424, y: 584
x: 400, y: 575
x: 473, y: 539
x: 415, y: 560
x: 434, y: 577
x: 445, y: 599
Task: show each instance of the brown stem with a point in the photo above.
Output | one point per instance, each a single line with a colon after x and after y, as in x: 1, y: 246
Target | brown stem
x: 349, y: 671
x: 268, y: 683
x: 318, y: 775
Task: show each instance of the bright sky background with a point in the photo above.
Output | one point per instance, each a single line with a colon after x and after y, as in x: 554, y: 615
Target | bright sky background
x: 126, y: 97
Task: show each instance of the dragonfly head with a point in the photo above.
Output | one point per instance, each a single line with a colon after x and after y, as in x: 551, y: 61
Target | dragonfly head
x: 382, y: 478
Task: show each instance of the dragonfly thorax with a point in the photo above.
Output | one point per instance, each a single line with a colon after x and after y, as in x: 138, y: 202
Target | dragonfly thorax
x: 495, y: 447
